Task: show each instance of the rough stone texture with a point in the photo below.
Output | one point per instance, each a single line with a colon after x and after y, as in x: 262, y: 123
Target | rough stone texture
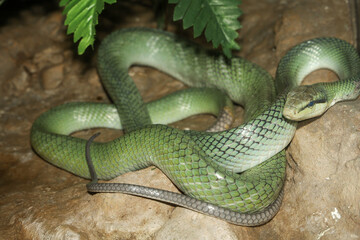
x: 40, y: 201
x: 187, y: 224
x: 52, y: 77
x: 330, y: 197
x: 323, y: 184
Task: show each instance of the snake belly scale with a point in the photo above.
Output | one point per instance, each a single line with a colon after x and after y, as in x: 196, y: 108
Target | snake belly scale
x: 240, y: 172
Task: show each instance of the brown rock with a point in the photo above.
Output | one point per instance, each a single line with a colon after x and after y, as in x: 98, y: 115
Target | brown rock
x: 323, y: 174
x: 325, y: 181
x: 8, y: 64
x: 21, y: 80
x: 187, y: 224
x: 92, y: 77
x: 48, y: 57
x: 30, y: 67
x: 40, y: 201
x: 54, y: 26
x: 307, y: 19
x: 52, y: 77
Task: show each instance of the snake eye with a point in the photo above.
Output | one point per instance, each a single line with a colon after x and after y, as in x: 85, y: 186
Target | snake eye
x: 312, y: 103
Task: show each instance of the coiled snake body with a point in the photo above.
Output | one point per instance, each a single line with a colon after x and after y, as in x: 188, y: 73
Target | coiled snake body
x: 237, y: 174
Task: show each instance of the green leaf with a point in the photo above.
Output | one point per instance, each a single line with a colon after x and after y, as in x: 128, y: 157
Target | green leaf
x: 219, y: 19
x: 63, y: 2
x: 81, y: 18
x: 181, y: 9
x: 191, y: 14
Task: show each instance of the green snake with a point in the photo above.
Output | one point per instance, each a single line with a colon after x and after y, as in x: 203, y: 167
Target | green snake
x: 237, y: 174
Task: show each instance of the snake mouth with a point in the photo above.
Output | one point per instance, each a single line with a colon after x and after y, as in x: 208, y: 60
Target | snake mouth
x: 291, y: 114
x: 313, y: 109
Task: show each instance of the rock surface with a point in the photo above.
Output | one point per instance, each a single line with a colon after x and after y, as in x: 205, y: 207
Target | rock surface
x: 40, y: 69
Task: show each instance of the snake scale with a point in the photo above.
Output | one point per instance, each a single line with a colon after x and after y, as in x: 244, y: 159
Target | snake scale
x: 237, y: 174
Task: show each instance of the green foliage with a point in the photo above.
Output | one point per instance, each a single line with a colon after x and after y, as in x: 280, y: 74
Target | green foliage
x: 218, y: 18
x: 81, y: 18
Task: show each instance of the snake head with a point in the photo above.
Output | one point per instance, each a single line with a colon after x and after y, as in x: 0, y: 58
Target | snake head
x: 305, y: 102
